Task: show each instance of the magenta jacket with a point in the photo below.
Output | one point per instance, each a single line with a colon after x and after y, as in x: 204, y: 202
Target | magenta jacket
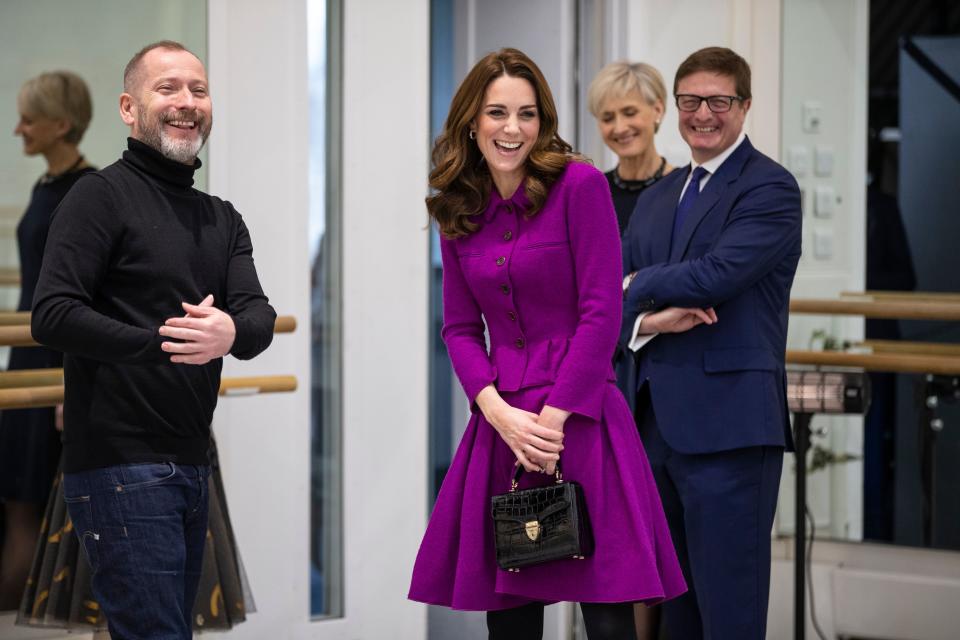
x: 555, y: 324
x: 548, y: 287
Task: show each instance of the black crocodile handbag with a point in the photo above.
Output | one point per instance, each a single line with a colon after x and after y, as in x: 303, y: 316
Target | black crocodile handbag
x: 538, y: 525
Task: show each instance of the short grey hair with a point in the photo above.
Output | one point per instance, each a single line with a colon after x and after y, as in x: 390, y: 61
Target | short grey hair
x: 58, y: 95
x: 131, y: 73
x: 619, y: 79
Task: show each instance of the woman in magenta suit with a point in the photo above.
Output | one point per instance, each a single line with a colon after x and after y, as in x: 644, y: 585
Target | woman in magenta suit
x: 530, y: 253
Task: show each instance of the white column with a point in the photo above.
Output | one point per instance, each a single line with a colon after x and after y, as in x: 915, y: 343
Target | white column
x: 257, y: 61
x: 258, y: 160
x: 385, y: 275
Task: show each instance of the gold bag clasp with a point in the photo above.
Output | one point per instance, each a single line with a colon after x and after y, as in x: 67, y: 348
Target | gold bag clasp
x: 533, y: 530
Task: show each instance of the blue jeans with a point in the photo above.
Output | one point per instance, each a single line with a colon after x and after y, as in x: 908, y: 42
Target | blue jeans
x: 143, y: 528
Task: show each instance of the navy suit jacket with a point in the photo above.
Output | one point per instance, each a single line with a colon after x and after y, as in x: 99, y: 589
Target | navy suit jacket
x: 723, y: 386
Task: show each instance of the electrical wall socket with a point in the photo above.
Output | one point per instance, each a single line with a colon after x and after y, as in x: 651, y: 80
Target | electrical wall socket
x: 823, y: 202
x: 823, y: 161
x: 812, y: 116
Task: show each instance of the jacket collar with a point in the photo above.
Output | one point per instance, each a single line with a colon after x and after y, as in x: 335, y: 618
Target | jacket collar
x: 669, y: 197
x: 727, y: 172
x: 518, y: 202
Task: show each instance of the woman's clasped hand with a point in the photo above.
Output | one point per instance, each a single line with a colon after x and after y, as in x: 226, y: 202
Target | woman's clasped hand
x: 536, y: 440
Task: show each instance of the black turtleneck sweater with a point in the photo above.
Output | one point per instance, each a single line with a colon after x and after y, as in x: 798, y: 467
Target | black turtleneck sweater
x: 126, y: 246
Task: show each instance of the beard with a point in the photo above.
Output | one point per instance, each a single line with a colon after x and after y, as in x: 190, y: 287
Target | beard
x: 152, y: 133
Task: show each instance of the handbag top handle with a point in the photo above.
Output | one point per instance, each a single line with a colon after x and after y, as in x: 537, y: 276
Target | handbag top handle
x: 515, y: 481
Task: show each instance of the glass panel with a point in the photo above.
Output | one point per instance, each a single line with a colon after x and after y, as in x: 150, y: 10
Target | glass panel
x: 818, y: 124
x: 446, y: 414
x: 326, y: 474
x: 911, y: 476
x: 93, y: 39
x: 895, y: 478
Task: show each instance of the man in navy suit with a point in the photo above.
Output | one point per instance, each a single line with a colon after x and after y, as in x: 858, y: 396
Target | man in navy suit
x: 710, y: 252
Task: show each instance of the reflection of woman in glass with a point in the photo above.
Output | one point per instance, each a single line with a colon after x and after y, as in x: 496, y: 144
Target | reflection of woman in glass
x: 628, y: 101
x: 55, y: 110
x: 531, y: 254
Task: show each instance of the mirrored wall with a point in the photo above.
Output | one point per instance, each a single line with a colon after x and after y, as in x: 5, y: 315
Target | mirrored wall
x: 93, y: 39
x: 870, y: 95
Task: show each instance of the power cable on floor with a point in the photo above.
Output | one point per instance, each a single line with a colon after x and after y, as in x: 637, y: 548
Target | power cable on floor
x: 809, y: 572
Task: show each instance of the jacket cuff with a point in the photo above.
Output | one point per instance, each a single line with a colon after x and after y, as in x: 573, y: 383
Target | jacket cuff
x: 586, y: 402
x: 474, y: 386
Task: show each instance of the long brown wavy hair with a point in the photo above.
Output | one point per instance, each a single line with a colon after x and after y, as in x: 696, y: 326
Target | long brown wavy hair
x: 460, y: 176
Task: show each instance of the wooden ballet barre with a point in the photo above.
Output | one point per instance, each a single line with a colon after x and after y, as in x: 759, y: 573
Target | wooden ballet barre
x: 8, y: 318
x: 285, y: 324
x: 31, y: 397
x: 899, y: 309
x: 912, y: 348
x: 9, y: 277
x: 30, y: 378
x: 19, y: 335
x: 250, y: 385
x: 52, y: 395
x: 932, y: 296
x: 893, y: 362
x: 229, y: 386
x: 16, y: 336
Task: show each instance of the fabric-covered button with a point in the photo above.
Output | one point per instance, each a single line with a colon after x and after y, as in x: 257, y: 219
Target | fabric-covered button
x: 508, y: 235
x: 500, y: 261
x: 504, y: 289
x: 519, y: 343
x: 512, y: 315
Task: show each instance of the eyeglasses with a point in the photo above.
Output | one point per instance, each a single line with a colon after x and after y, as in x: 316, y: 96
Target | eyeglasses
x: 718, y: 104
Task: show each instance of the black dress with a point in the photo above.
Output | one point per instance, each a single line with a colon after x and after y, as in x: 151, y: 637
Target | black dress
x: 29, y: 442
x: 58, y: 593
x: 626, y: 192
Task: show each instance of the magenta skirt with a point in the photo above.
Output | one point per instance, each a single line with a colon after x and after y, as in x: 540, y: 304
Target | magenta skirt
x: 634, y: 559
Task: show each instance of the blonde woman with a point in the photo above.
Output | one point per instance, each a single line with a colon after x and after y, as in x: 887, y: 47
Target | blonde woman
x: 55, y: 110
x: 628, y: 100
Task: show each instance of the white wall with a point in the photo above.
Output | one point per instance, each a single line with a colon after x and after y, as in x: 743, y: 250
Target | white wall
x: 258, y: 159
x: 386, y: 260
x: 825, y: 63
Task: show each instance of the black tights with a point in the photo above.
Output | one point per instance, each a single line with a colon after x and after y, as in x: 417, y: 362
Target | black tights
x: 603, y: 621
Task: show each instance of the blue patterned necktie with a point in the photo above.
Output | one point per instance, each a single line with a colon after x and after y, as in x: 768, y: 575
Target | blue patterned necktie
x: 687, y: 202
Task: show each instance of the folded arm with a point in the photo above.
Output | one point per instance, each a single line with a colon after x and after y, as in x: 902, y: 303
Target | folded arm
x: 760, y: 230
